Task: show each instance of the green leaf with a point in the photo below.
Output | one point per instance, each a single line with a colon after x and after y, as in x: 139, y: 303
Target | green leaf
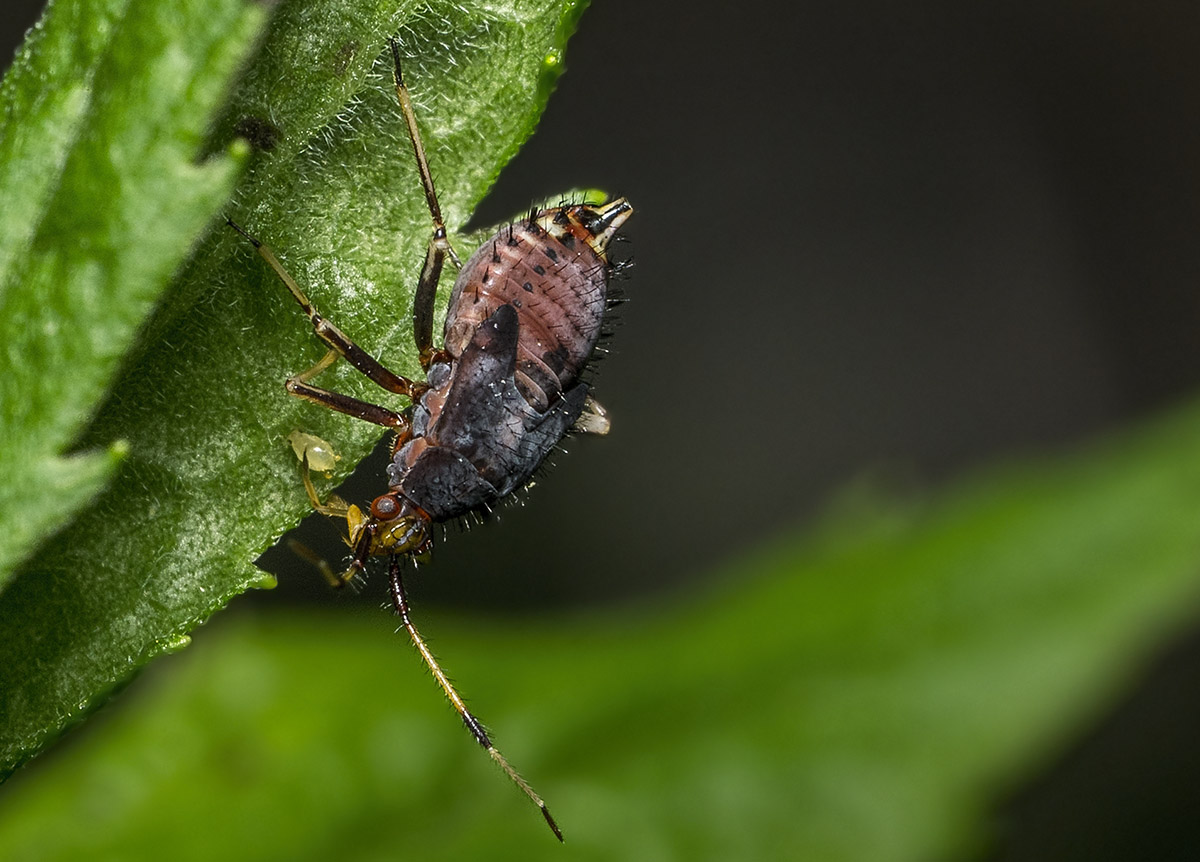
x: 861, y: 694
x: 209, y: 481
x: 103, y: 114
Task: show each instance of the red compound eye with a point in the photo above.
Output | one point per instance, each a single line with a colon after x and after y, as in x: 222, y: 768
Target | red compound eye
x: 385, y: 508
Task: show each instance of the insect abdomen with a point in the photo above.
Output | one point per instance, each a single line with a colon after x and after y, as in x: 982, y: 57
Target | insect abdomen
x: 482, y: 438
x: 523, y: 321
x: 557, y: 283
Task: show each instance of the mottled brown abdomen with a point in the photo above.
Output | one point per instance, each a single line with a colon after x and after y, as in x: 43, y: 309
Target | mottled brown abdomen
x: 549, y: 268
x: 523, y: 320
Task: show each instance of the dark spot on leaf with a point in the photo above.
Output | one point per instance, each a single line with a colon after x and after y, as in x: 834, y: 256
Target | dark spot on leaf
x: 260, y: 132
x: 345, y: 54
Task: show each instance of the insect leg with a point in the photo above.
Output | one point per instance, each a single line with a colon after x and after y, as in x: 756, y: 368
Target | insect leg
x: 431, y: 272
x: 400, y: 602
x: 338, y: 341
x: 352, y: 577
x: 314, y: 559
x: 334, y: 507
x: 350, y: 406
x: 300, y: 387
x: 439, y: 242
x: 594, y: 418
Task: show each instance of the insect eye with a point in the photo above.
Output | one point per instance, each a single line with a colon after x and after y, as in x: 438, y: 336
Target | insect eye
x: 385, y: 507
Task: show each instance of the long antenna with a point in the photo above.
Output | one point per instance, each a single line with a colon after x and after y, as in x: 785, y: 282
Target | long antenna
x: 400, y: 601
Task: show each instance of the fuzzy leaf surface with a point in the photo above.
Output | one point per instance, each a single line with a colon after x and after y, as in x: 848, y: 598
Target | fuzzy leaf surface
x: 102, y: 119
x: 209, y: 481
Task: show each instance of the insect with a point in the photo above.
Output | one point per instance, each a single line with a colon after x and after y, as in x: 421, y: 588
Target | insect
x: 501, y: 391
x: 313, y: 452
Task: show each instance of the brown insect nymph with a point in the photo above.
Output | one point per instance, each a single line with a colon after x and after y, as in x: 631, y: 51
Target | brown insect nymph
x: 500, y: 392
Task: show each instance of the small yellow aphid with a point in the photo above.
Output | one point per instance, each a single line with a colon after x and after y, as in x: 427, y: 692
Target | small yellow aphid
x: 320, y: 454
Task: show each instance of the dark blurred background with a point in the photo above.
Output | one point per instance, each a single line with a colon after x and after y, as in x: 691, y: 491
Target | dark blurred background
x: 871, y: 240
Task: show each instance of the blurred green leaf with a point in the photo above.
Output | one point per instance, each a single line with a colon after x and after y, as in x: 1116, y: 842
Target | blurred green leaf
x: 101, y: 121
x: 210, y: 481
x: 862, y: 694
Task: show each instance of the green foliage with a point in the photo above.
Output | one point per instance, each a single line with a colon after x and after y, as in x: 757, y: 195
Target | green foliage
x: 105, y: 114
x: 862, y: 694
x: 858, y: 695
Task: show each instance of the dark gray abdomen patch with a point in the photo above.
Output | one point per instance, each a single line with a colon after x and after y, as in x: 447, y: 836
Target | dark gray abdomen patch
x: 445, y: 484
x: 486, y: 428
